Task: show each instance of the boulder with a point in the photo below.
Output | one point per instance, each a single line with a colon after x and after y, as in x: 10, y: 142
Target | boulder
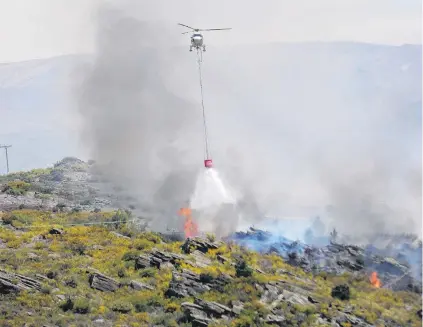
x: 103, y: 283
x: 14, y: 283
x: 142, y: 262
x: 213, y: 309
x: 198, y: 244
x: 237, y: 307
x: 138, y: 286
x: 194, y: 313
x: 275, y: 320
x: 185, y: 284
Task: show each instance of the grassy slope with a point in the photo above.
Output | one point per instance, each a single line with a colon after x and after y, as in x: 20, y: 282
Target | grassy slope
x: 67, y: 257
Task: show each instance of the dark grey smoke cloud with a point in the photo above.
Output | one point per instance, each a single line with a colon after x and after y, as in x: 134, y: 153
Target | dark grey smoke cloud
x: 299, y: 130
x: 141, y: 134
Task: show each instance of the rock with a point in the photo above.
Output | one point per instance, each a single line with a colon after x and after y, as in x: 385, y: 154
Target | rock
x: 138, y: 286
x: 351, y: 264
x: 311, y: 300
x: 61, y: 297
x: 198, y: 244
x: 222, y: 259
x: 200, y: 259
x: 142, y: 262
x: 343, y: 318
x: 185, y: 284
x: 294, y: 298
x: 120, y: 235
x: 167, y: 265
x: 41, y: 277
x: 103, y: 283
x: 275, y: 320
x: 270, y: 294
x: 193, y: 313
x: 237, y: 307
x: 14, y: 283
x: 213, y: 309
x: 55, y: 231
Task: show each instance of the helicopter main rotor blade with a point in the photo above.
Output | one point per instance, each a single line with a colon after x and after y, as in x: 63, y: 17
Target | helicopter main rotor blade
x: 187, y: 26
x: 215, y: 29
x: 186, y: 32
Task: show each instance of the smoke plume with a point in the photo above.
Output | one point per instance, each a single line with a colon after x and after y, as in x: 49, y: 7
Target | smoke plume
x: 297, y: 132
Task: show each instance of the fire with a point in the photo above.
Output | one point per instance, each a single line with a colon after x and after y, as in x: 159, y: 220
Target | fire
x: 190, y: 227
x: 374, y: 280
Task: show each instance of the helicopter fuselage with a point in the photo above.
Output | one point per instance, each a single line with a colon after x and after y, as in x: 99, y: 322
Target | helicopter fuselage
x: 197, y: 40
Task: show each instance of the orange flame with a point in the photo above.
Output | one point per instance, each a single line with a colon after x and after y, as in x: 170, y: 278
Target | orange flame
x: 190, y: 227
x: 374, y: 280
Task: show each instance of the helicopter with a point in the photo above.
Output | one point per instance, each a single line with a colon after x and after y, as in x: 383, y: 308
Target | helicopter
x: 197, y: 38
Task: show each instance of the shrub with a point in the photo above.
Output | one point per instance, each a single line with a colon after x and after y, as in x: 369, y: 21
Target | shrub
x: 129, y: 256
x: 206, y: 278
x: 78, y: 247
x: 142, y: 244
x: 122, y: 306
x: 66, y: 305
x: 341, y: 292
x: 242, y: 269
x: 16, y: 188
x: 81, y: 305
x: 148, y: 272
x: 71, y: 282
x: 45, y: 289
x: 147, y: 304
x: 211, y: 237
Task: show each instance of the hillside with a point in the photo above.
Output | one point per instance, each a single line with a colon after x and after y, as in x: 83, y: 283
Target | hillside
x: 71, y: 256
x: 115, y: 276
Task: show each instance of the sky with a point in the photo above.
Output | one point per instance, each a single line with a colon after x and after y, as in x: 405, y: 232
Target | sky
x: 46, y: 28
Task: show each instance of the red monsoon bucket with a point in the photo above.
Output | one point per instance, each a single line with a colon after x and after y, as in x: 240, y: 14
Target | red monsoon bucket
x: 208, y: 163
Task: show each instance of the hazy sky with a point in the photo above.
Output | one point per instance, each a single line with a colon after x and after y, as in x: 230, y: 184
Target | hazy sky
x: 42, y: 28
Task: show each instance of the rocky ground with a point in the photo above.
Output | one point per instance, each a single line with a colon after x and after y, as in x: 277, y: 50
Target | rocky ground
x: 57, y: 270
x: 116, y: 276
x: 399, y: 266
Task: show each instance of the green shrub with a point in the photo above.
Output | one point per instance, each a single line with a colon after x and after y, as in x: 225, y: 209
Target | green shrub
x: 122, y: 306
x: 242, y: 269
x: 130, y: 255
x: 82, y: 306
x: 341, y: 292
x: 148, y: 272
x: 16, y: 188
x: 67, y: 305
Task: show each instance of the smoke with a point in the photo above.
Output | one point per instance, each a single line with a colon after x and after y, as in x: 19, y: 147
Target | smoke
x: 142, y: 135
x: 297, y: 130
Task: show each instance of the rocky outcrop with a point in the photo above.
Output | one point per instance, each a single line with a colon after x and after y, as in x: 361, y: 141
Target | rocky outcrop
x: 14, y: 283
x: 157, y: 259
x: 200, y: 244
x: 202, y: 313
x: 138, y: 286
x: 103, y: 283
x: 184, y: 284
x: 187, y: 283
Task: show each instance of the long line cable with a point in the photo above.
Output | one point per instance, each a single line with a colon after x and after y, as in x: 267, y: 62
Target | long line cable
x: 200, y: 60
